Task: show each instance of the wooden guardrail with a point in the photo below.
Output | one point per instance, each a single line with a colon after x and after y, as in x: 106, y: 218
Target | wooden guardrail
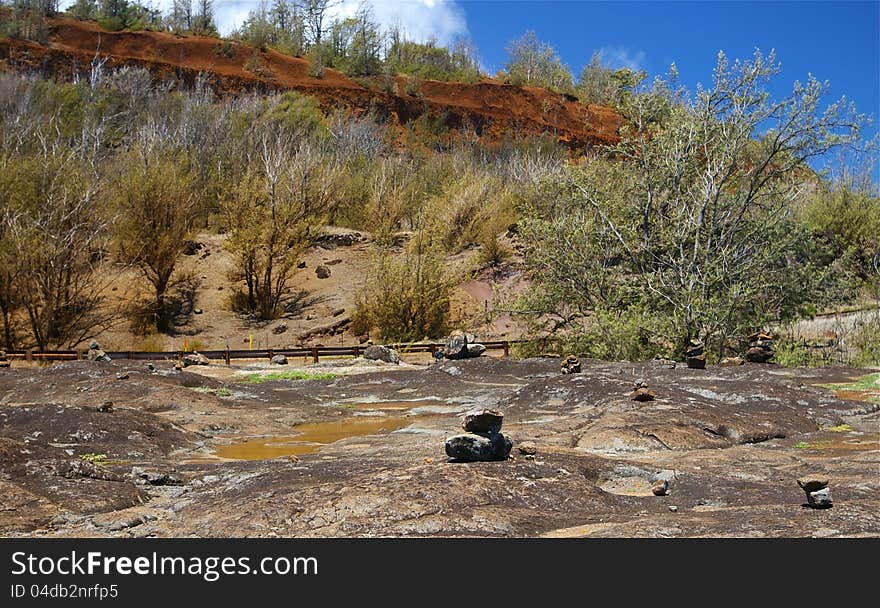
x: 226, y: 355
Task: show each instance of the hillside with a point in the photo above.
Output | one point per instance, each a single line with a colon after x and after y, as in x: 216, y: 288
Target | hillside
x: 489, y: 109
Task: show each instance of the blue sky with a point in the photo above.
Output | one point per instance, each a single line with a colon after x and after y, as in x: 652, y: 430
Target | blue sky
x: 835, y: 41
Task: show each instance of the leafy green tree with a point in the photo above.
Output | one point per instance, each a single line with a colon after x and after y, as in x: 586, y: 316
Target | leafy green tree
x: 534, y: 63
x: 690, y: 218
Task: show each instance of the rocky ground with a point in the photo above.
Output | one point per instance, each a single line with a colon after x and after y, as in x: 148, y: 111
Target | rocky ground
x: 160, y: 461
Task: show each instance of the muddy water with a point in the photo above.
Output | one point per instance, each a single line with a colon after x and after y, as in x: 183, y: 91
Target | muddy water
x: 312, y: 437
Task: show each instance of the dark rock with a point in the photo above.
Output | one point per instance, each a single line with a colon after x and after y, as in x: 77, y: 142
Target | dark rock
x: 106, y: 407
x: 191, y: 247
x: 73, y: 469
x: 337, y: 312
x: 660, y: 488
x: 122, y: 376
x: 381, y: 353
x: 697, y: 362
x: 96, y: 354
x: 695, y: 348
x: 820, y: 499
x: 93, y: 345
x: 812, y: 483
x: 322, y: 272
x: 758, y: 355
x: 279, y: 329
x: 471, y: 447
x: 333, y: 262
x: 301, y: 265
x: 483, y: 421
x: 570, y: 365
x: 279, y: 360
x: 198, y: 311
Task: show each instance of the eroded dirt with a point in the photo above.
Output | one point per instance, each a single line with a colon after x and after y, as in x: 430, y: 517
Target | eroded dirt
x: 730, y: 441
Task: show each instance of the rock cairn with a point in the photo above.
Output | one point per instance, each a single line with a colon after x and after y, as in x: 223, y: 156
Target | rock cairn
x: 96, y: 354
x: 570, y: 365
x: 760, y: 348
x: 4, y: 362
x: 482, y: 440
x: 641, y: 392
x: 696, y: 357
x: 817, y: 491
x: 461, y: 345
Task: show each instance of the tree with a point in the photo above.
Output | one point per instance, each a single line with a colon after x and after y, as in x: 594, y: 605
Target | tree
x: 273, y: 214
x: 685, y: 229
x: 601, y: 85
x: 157, y: 205
x: 534, y: 63
x: 314, y: 15
x: 203, y: 21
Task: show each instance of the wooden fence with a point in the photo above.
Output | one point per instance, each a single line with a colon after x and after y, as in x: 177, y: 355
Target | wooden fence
x: 315, y: 352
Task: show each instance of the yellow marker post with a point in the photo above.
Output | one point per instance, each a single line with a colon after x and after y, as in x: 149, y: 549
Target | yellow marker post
x: 251, y: 342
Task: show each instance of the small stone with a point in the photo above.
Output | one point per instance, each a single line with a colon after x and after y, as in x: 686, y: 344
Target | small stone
x: 151, y: 368
x: 301, y: 265
x: 279, y: 329
x: 483, y: 421
x: 660, y: 487
x: 640, y: 383
x: 643, y: 394
x: 106, y: 407
x: 322, y: 272
x: 198, y: 311
x: 279, y: 360
x: 122, y: 376
x: 820, y: 499
x: 673, y: 508
x: 528, y: 448
x: 813, y: 483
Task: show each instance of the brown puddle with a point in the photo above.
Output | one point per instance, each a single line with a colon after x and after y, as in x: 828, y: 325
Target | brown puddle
x: 311, y: 438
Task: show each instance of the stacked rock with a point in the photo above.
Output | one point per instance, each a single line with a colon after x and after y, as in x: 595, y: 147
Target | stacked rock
x: 817, y: 491
x: 482, y: 440
x: 696, y: 359
x: 96, y: 354
x: 760, y: 348
x: 4, y: 362
x: 461, y: 345
x: 194, y: 358
x: 641, y: 391
x: 570, y: 365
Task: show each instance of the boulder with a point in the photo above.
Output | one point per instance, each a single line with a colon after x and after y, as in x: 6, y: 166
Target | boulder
x: 456, y: 345
x: 820, y: 499
x: 106, y: 407
x: 813, y: 483
x: 472, y: 447
x: 96, y: 354
x: 322, y: 272
x: 278, y: 360
x: 194, y: 358
x: 643, y: 393
x: 483, y: 421
x: 279, y: 329
x: 570, y: 365
x: 381, y: 353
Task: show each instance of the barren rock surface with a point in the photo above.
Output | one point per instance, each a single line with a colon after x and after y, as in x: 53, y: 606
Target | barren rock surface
x: 730, y: 442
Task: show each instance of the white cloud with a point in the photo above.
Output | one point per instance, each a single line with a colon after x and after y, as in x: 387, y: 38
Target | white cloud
x: 617, y: 57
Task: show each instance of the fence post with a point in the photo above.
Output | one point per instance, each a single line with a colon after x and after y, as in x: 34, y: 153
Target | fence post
x: 227, y: 355
x: 270, y: 351
x: 315, y: 354
x: 29, y: 355
x: 506, y: 348
x: 357, y: 352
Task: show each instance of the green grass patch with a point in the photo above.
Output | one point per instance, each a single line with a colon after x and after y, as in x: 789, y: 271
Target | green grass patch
x: 219, y: 392
x: 94, y: 458
x: 802, y: 445
x: 841, y: 428
x: 296, y: 375
x: 865, y: 383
